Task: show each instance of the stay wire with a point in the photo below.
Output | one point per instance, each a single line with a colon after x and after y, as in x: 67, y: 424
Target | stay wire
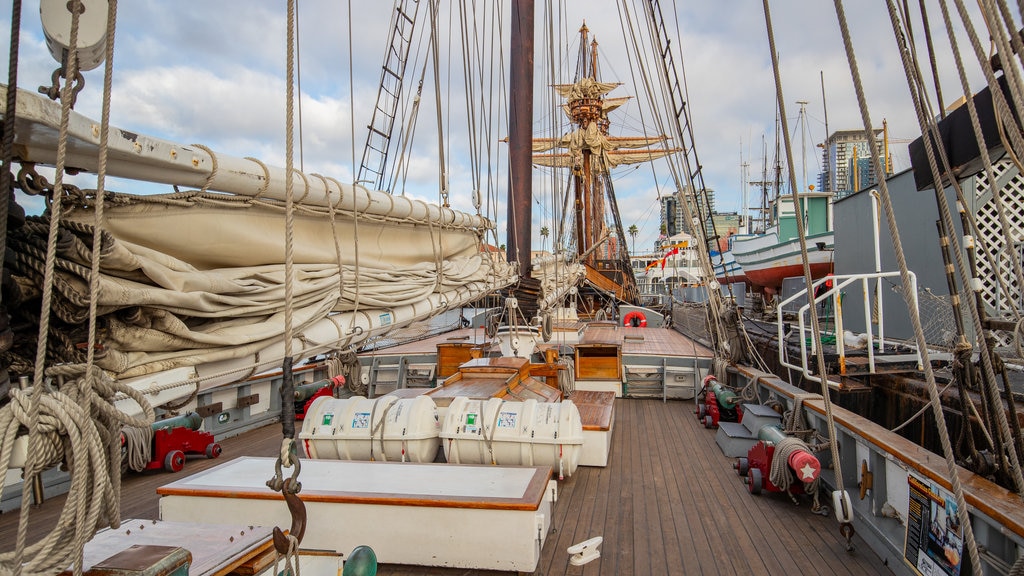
x: 802, y: 235
x: 909, y: 298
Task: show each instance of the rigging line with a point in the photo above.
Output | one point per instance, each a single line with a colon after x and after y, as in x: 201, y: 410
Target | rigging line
x: 97, y: 249
x: 355, y: 172
x: 909, y: 298
x: 481, y: 127
x: 1007, y: 41
x: 47, y: 296
x: 931, y: 58
x: 1015, y: 38
x: 298, y: 82
x: 492, y: 185
x: 930, y: 127
x: 989, y: 170
x: 287, y: 395
x: 1010, y: 72
x: 397, y: 176
x: 400, y: 176
x: 468, y: 77
x: 488, y: 123
x: 699, y: 202
x: 715, y: 304
x: 442, y: 175
x: 802, y: 235
x: 7, y: 144
x: 643, y: 123
x: 334, y: 231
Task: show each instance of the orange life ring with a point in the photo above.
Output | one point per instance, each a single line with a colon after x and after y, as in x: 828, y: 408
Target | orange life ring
x: 638, y: 316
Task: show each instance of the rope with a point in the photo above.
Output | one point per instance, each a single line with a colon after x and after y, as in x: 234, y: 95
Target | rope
x: 780, y: 474
x: 7, y: 143
x: 802, y: 234
x: 907, y: 295
x: 138, y: 442
x: 291, y: 558
x: 567, y: 377
x: 33, y: 408
x: 75, y: 424
x: 287, y: 387
x: 113, y: 449
x: 213, y: 169
x: 928, y: 126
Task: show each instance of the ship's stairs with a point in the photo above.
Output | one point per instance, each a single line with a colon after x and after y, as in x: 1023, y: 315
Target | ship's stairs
x: 390, y: 373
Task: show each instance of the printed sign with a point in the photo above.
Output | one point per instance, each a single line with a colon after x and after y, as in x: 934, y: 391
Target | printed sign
x: 361, y: 420
x: 471, y: 424
x: 328, y: 418
x: 934, y: 538
x: 385, y: 318
x: 507, y: 419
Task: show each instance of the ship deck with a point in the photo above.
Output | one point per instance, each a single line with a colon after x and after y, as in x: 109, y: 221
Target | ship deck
x: 640, y: 341
x: 668, y: 502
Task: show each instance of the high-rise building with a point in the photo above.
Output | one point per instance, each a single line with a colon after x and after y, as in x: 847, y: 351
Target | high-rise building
x: 673, y: 218
x: 847, y: 162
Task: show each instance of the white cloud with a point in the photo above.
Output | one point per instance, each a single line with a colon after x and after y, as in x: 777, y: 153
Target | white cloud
x: 213, y: 73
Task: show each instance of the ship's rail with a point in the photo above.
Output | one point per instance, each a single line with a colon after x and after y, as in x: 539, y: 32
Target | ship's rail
x: 879, y: 469
x: 874, y: 319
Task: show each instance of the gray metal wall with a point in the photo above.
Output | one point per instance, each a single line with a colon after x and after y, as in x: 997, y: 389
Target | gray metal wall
x: 916, y: 214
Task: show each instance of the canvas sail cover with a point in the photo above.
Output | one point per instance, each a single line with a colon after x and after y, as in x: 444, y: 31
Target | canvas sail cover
x: 197, y: 278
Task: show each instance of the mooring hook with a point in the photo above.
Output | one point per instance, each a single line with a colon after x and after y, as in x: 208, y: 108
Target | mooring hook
x: 846, y: 529
x: 297, y: 510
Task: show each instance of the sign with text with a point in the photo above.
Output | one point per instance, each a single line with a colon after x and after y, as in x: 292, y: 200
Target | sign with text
x: 934, y: 544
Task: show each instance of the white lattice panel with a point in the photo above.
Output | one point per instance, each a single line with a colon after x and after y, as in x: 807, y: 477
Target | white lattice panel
x: 998, y: 301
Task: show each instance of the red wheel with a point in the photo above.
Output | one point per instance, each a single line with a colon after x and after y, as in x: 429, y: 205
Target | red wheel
x: 174, y: 461
x: 741, y: 466
x: 213, y: 450
x: 756, y: 482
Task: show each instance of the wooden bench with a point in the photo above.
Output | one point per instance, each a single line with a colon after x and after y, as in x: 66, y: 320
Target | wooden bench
x: 597, y: 413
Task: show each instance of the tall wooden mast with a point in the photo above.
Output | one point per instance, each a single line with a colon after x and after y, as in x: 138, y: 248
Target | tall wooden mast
x: 520, y: 136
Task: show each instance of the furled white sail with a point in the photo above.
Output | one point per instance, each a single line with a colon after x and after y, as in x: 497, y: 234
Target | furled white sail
x: 197, y: 278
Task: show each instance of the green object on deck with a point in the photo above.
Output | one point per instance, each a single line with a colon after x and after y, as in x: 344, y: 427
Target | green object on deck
x: 304, y: 392
x: 361, y: 562
x: 726, y: 398
x: 189, y: 420
x: 771, y: 433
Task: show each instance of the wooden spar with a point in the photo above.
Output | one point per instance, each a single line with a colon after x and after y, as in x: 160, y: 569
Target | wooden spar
x: 520, y: 123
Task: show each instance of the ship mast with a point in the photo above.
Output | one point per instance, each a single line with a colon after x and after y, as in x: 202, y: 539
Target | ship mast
x: 584, y: 111
x: 520, y: 136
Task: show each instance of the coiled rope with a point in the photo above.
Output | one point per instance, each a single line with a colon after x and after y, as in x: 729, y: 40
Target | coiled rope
x: 780, y: 473
x: 74, y: 425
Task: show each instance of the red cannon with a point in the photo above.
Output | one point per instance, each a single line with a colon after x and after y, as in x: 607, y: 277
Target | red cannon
x: 720, y: 404
x: 305, y: 394
x: 801, y: 467
x: 173, y: 438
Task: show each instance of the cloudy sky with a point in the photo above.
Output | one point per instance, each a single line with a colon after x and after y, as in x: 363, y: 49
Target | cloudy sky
x: 196, y: 71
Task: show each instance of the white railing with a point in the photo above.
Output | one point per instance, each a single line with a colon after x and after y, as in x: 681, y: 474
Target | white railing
x: 875, y: 331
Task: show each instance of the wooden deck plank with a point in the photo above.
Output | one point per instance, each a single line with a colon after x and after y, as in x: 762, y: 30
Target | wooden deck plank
x: 667, y: 503
x: 690, y: 531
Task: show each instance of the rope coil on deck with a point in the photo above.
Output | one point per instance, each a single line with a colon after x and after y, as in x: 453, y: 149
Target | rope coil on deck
x: 76, y: 425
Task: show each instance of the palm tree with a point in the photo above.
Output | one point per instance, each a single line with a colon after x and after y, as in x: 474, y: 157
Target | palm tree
x: 544, y: 232
x: 633, y: 231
